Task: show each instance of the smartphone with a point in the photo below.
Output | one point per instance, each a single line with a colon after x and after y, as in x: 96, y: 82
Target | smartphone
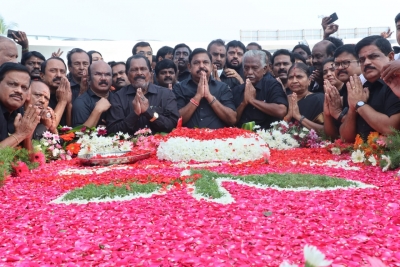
x: 10, y: 34
x: 333, y: 17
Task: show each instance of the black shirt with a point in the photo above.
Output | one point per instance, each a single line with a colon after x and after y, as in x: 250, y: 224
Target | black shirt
x: 267, y: 90
x: 83, y: 107
x: 7, y: 121
x: 230, y: 81
x: 121, y: 117
x: 204, y: 116
x: 75, y: 87
x: 183, y: 75
x: 381, y: 98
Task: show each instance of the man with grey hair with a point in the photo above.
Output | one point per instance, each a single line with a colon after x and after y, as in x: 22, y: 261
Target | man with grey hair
x: 8, y: 50
x: 259, y: 99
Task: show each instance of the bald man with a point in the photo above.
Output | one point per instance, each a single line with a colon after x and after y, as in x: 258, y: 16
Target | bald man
x: 321, y: 51
x: 89, y: 108
x: 39, y: 98
x: 8, y: 50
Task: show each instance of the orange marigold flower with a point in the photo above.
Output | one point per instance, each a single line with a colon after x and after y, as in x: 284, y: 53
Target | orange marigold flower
x: 74, y: 148
x: 372, y: 137
x: 358, y: 142
x: 68, y: 136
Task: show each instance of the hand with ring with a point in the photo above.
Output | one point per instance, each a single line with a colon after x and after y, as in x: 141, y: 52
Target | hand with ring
x: 356, y: 92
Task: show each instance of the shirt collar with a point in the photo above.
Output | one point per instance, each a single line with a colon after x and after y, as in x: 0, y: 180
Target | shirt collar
x: 71, y: 80
x: 376, y: 83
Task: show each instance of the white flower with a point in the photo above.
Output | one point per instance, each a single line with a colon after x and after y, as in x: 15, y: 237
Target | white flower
x: 388, y: 162
x: 55, y: 152
x: 372, y: 160
x: 286, y: 264
x: 314, y: 257
x: 256, y: 127
x: 126, y: 146
x: 336, y: 151
x: 302, y: 135
x: 357, y: 156
x: 126, y: 136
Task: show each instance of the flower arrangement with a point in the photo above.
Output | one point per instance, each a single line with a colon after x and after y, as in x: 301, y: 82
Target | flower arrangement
x: 82, y: 140
x: 283, y: 135
x: 203, y: 145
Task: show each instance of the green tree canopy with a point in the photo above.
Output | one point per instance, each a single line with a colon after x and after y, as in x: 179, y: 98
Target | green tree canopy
x: 4, y: 26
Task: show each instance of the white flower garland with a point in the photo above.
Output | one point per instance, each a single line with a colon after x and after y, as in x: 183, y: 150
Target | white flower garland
x: 185, y: 149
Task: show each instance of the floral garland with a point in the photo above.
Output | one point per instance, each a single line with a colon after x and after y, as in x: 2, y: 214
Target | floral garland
x: 212, y: 145
x: 283, y: 135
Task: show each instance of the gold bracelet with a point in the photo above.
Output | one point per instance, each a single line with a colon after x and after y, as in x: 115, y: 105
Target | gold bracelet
x: 16, y: 139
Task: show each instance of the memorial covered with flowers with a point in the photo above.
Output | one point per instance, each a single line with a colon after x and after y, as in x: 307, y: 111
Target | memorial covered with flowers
x: 197, y: 197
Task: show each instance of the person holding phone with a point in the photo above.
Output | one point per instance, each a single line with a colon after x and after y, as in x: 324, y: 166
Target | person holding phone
x: 20, y: 38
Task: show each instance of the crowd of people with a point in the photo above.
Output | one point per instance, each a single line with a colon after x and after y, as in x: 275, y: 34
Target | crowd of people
x: 341, y: 90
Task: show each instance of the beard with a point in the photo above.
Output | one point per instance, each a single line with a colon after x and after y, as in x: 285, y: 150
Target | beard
x: 228, y: 65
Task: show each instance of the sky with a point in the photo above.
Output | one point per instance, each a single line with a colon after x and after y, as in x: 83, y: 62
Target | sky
x: 187, y: 20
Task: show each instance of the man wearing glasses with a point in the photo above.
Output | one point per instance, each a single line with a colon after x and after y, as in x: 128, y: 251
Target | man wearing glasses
x: 346, y: 65
x: 144, y: 49
x: 33, y: 60
x: 372, y: 106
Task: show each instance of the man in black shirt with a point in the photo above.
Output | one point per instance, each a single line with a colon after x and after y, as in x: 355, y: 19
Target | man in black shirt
x: 53, y: 73
x: 78, y: 62
x: 234, y: 54
x: 39, y: 98
x: 202, y: 101
x: 142, y: 104
x: 281, y: 61
x: 374, y: 108
x: 165, y: 71
x: 218, y: 54
x: 346, y: 64
x: 33, y: 60
x: 90, y: 107
x: 261, y: 99
x: 14, y: 90
x: 119, y: 78
x: 181, y: 55
x: 320, y: 52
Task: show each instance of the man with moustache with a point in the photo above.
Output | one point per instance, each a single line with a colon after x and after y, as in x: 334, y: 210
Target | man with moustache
x: 320, y: 52
x: 218, y: 54
x: 261, y: 99
x: 372, y: 106
x: 346, y: 65
x: 78, y: 61
x: 235, y: 50
x: 90, y: 107
x: 119, y: 78
x: 53, y: 73
x: 181, y: 54
x: 165, y: 71
x: 14, y: 90
x: 281, y: 61
x: 39, y: 98
x: 33, y: 60
x: 202, y: 101
x: 141, y: 104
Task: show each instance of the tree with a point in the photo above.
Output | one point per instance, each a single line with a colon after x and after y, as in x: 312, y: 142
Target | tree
x: 4, y: 26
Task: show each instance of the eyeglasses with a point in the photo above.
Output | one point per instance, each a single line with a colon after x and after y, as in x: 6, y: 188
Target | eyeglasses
x: 345, y: 64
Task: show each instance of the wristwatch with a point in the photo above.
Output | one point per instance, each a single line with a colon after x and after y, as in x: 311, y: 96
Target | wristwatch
x: 359, y: 104
x: 155, y: 116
